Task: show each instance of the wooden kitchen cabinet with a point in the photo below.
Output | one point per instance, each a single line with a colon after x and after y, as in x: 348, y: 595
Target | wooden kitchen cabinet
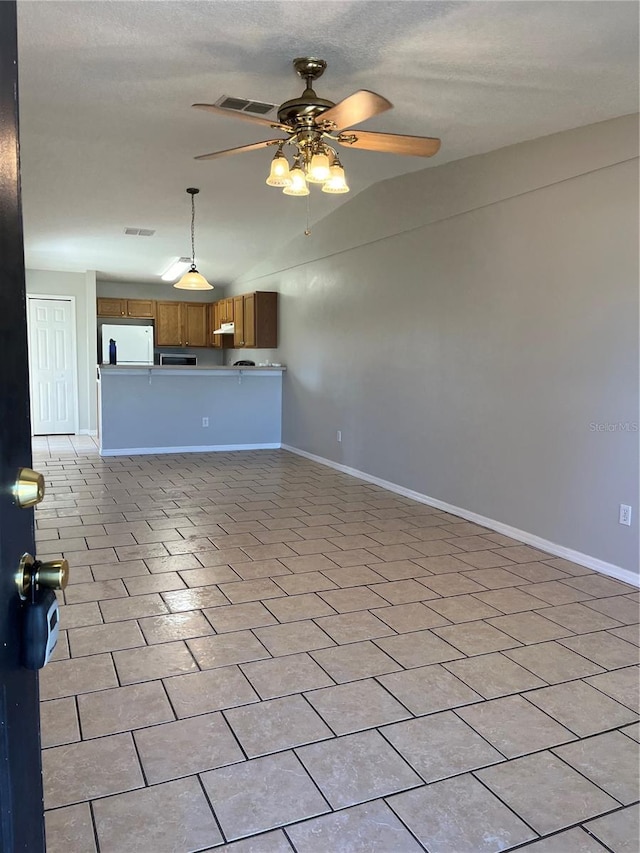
x: 168, y: 324
x: 181, y: 324
x: 249, y: 309
x: 194, y: 323
x: 226, y: 311
x: 214, y: 323
x: 259, y: 325
x: 144, y: 308
x: 238, y: 319
x: 110, y: 307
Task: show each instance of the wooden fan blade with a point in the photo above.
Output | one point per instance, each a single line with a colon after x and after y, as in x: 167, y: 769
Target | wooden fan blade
x: 358, y: 107
x: 221, y: 111
x: 392, y: 143
x: 238, y: 150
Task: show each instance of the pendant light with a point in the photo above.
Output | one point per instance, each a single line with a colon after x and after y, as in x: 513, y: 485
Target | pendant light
x: 192, y: 280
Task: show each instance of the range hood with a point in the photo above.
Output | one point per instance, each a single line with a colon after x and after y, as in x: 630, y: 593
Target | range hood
x: 225, y: 329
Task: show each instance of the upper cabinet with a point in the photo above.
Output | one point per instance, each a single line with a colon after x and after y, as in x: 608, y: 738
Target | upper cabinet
x: 141, y: 308
x: 238, y: 319
x: 182, y: 324
x: 168, y: 324
x: 214, y: 323
x: 194, y: 322
x: 256, y: 320
x: 111, y: 307
x: 191, y: 324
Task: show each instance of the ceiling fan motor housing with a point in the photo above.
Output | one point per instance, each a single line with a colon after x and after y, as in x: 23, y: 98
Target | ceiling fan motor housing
x: 302, y: 111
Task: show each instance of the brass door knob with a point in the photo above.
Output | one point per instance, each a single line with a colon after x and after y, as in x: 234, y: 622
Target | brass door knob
x: 28, y: 489
x: 54, y: 574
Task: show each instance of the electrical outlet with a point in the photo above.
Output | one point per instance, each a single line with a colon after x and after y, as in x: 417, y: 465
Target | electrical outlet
x: 339, y: 435
x: 625, y: 515
x: 205, y: 422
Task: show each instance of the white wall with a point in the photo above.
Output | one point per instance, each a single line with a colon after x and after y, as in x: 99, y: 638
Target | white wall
x: 467, y: 326
x: 83, y: 287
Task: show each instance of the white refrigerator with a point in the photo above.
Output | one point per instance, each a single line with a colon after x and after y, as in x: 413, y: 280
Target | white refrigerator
x: 133, y: 344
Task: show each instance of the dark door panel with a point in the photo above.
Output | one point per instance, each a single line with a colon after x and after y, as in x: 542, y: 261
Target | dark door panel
x: 20, y: 775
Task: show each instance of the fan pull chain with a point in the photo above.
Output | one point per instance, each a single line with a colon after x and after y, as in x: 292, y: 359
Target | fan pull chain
x: 307, y: 230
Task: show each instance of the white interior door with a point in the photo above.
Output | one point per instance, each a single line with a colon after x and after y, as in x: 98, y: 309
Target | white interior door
x: 52, y: 365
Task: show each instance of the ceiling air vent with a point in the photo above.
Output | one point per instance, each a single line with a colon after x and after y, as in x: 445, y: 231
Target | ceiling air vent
x: 139, y: 232
x: 242, y: 105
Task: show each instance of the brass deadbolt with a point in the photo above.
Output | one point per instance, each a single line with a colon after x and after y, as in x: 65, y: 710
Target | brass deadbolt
x: 54, y: 574
x: 29, y: 488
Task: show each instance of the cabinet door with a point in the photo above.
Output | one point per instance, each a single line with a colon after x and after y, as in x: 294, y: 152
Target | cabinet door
x: 141, y: 308
x: 226, y: 310
x: 169, y: 324
x: 249, y: 307
x: 195, y: 324
x: 266, y: 319
x: 108, y: 307
x: 238, y: 319
x: 214, y: 323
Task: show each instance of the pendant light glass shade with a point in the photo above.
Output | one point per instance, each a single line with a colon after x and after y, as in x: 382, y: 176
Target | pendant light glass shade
x: 336, y: 182
x: 193, y: 280
x: 298, y: 185
x: 279, y: 175
x: 318, y: 170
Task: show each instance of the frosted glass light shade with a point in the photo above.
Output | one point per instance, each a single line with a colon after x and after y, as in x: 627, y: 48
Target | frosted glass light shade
x: 336, y: 182
x: 279, y: 175
x: 318, y: 170
x: 298, y: 185
x: 192, y: 280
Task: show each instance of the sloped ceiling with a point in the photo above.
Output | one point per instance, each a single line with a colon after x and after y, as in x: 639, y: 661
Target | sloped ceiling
x: 108, y: 135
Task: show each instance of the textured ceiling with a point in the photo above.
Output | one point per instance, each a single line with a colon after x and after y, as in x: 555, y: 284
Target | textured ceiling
x: 108, y: 135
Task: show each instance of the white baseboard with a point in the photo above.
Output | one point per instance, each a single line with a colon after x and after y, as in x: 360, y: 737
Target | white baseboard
x: 87, y: 432
x: 205, y: 448
x: 586, y: 560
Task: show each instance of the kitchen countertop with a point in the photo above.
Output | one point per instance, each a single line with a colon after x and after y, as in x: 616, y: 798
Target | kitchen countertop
x: 212, y: 368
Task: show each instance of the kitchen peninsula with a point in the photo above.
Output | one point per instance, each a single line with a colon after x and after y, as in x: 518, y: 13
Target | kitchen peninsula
x: 143, y: 410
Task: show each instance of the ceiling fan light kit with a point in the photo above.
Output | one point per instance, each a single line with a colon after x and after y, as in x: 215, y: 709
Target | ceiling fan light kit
x: 336, y: 182
x: 297, y: 180
x: 193, y: 280
x: 309, y: 122
x: 279, y: 176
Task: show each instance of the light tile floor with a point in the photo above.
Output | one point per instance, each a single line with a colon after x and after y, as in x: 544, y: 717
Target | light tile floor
x: 261, y: 654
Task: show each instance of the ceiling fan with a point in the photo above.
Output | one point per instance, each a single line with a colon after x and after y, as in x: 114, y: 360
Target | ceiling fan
x: 312, y: 124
